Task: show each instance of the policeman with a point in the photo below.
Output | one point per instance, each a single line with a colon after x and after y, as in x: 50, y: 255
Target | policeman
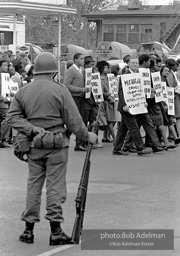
x: 44, y: 110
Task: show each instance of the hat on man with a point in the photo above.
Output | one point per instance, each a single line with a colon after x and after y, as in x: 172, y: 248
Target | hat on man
x: 88, y: 59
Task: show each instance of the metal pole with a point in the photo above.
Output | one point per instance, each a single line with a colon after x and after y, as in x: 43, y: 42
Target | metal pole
x: 59, y: 48
x: 14, y: 33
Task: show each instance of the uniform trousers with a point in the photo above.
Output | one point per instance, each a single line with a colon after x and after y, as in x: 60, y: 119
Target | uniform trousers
x: 128, y: 122
x: 49, y: 165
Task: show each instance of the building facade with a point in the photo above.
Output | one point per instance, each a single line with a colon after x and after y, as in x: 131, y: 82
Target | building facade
x: 6, y: 32
x: 135, y: 24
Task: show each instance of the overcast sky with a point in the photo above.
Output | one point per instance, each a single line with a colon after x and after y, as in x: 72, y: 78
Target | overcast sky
x: 157, y: 2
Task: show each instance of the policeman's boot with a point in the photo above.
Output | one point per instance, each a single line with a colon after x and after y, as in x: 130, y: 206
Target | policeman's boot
x: 58, y: 237
x: 27, y: 236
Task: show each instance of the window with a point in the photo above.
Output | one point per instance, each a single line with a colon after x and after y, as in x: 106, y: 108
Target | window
x: 121, y: 28
x: 108, y: 33
x: 148, y: 30
x: 133, y: 28
x: 109, y: 28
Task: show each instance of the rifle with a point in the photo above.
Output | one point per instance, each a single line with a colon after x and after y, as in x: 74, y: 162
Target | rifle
x: 82, y: 189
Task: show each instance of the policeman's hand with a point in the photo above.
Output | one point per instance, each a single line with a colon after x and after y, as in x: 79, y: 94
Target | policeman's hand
x: 38, y: 130
x: 125, y: 109
x: 92, y: 137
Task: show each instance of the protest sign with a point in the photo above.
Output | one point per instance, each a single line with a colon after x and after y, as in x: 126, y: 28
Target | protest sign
x: 170, y: 93
x: 133, y: 93
x: 96, y: 87
x: 88, y: 74
x: 13, y: 87
x: 146, y: 81
x: 5, y: 77
x: 164, y: 91
x: 177, y: 88
x: 111, y: 83
x: 156, y: 80
x: 115, y: 88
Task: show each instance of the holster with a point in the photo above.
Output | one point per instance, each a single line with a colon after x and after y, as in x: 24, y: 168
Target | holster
x: 24, y: 142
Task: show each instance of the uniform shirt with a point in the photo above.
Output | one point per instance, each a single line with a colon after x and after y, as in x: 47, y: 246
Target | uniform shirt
x: 47, y: 104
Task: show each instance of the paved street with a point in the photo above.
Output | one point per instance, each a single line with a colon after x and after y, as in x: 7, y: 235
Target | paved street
x: 125, y: 192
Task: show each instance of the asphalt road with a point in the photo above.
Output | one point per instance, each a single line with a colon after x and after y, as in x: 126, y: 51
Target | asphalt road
x: 125, y: 192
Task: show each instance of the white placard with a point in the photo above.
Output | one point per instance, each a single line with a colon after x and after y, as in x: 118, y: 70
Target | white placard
x: 133, y: 93
x: 170, y: 93
x: 115, y: 88
x: 156, y: 80
x: 96, y: 87
x: 177, y: 88
x: 111, y: 83
x: 13, y: 87
x: 164, y: 90
x: 88, y: 75
x: 5, y: 77
x: 146, y: 81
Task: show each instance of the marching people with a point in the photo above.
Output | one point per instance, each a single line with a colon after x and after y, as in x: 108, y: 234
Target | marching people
x: 155, y: 112
x: 103, y: 68
x: 74, y: 80
x: 41, y: 112
x: 5, y: 129
x: 128, y: 123
x: 19, y: 68
x: 173, y: 82
x: 142, y: 119
x: 168, y: 120
x: 90, y: 104
x: 116, y: 71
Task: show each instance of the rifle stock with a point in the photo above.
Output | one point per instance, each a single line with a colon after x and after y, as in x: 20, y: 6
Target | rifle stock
x: 82, y: 191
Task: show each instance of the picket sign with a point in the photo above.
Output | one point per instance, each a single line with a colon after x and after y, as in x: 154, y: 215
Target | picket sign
x: 177, y: 88
x: 115, y: 88
x: 134, y: 95
x: 146, y: 81
x: 170, y: 93
x: 88, y: 75
x: 156, y: 80
x: 13, y: 86
x: 111, y: 83
x: 5, y: 78
x: 164, y: 91
x: 96, y: 87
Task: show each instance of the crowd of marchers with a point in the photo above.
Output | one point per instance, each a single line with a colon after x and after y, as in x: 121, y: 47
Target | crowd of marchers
x: 20, y: 71
x: 161, y: 130
x: 120, y: 128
